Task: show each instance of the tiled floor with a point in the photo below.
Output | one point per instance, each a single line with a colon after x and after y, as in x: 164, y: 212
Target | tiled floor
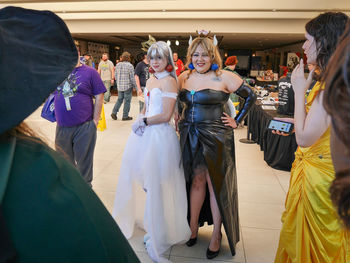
x: 262, y: 191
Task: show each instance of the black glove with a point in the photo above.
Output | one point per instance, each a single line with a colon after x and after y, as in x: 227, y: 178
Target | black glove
x: 249, y: 96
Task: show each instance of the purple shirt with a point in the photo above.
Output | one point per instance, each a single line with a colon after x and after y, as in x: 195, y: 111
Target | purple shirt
x: 79, y: 88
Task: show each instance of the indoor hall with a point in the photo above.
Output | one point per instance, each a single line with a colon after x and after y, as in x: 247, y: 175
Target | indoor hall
x: 264, y: 36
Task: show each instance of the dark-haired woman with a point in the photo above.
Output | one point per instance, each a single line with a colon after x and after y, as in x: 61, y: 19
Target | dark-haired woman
x: 208, y: 144
x: 311, y: 231
x: 337, y: 104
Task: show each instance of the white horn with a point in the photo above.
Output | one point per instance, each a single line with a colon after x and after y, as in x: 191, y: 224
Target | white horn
x: 215, y: 41
x: 190, y: 41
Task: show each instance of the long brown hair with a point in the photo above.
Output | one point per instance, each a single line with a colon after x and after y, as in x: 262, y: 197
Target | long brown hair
x: 337, y: 104
x: 340, y: 195
x: 326, y: 30
x: 337, y: 88
x: 209, y: 47
x: 23, y: 131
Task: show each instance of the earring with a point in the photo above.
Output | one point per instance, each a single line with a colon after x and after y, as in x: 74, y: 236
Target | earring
x: 151, y: 70
x: 214, y: 67
x: 190, y: 66
x: 169, y: 68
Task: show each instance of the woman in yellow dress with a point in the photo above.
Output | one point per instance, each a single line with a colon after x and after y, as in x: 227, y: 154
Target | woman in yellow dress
x: 311, y: 231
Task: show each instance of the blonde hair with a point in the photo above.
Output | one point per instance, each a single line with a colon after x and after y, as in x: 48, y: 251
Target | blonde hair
x: 209, y: 47
x: 161, y: 49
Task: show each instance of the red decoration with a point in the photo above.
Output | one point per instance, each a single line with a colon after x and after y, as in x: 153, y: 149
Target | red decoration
x: 169, y: 68
x: 147, y: 94
x: 151, y: 70
x: 285, y: 70
x: 304, y: 57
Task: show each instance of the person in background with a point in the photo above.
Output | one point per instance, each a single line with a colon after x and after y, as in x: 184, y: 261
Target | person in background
x: 77, y: 117
x: 141, y: 77
x: 285, y: 95
x: 311, y: 231
x: 47, y: 213
x: 230, y: 64
x: 89, y: 61
x: 106, y: 71
x: 179, y: 65
x: 336, y: 101
x: 125, y: 78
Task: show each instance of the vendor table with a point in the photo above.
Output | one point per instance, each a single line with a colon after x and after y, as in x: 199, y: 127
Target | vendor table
x: 278, y: 150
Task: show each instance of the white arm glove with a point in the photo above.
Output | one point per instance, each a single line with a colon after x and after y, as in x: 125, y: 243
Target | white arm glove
x: 232, y: 108
x: 138, y: 127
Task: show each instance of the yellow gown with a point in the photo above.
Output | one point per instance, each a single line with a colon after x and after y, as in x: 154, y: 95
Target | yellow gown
x: 311, y: 231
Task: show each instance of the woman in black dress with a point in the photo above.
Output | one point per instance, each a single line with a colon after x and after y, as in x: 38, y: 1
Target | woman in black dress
x: 207, y: 142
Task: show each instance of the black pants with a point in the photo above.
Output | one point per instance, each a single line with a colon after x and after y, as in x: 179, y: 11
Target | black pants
x: 78, y: 144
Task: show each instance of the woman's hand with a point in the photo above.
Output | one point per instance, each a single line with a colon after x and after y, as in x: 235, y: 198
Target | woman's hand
x: 228, y: 121
x: 299, y: 83
x: 290, y: 120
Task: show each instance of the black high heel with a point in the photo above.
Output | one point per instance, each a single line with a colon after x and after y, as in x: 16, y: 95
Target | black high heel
x: 213, y: 254
x: 191, y: 242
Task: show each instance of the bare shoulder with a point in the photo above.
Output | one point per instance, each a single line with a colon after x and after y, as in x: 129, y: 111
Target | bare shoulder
x: 169, y: 84
x: 231, y: 80
x: 227, y: 75
x: 151, y: 78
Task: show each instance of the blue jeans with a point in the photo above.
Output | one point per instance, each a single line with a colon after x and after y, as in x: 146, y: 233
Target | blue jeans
x: 107, y: 95
x: 126, y: 97
x: 141, y: 103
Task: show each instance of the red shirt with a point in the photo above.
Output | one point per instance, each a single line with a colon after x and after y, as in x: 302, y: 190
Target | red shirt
x: 179, y: 67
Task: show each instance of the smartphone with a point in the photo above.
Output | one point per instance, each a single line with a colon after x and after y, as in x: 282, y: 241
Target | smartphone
x: 281, y: 126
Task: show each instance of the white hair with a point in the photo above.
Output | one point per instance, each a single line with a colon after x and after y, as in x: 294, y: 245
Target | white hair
x: 160, y: 48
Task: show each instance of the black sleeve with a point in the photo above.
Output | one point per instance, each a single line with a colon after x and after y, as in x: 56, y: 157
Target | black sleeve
x: 249, y: 99
x: 138, y: 69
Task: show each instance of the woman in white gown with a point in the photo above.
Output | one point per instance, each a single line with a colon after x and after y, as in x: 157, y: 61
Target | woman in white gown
x: 152, y: 161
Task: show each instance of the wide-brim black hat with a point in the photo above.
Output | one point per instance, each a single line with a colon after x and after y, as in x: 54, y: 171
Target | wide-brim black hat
x: 37, y: 53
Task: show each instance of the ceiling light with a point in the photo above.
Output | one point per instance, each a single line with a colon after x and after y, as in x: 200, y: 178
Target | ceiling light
x: 169, y: 43
x: 177, y: 42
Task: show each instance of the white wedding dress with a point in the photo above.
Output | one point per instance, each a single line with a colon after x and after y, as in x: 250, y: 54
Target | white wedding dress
x: 152, y: 162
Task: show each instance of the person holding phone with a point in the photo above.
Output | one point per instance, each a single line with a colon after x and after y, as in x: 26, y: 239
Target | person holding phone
x: 311, y: 231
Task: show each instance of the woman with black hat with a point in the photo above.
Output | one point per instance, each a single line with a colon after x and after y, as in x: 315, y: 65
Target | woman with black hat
x: 47, y: 213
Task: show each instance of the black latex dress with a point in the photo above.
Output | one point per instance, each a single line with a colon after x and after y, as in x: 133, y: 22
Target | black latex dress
x: 206, y: 140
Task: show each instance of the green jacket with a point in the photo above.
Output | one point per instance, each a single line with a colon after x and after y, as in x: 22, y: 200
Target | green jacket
x: 51, y: 214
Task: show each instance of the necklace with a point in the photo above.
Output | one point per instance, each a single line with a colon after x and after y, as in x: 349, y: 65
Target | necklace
x: 203, y: 72
x: 161, y: 75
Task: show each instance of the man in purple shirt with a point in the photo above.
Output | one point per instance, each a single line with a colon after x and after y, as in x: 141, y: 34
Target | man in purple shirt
x: 77, y: 117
